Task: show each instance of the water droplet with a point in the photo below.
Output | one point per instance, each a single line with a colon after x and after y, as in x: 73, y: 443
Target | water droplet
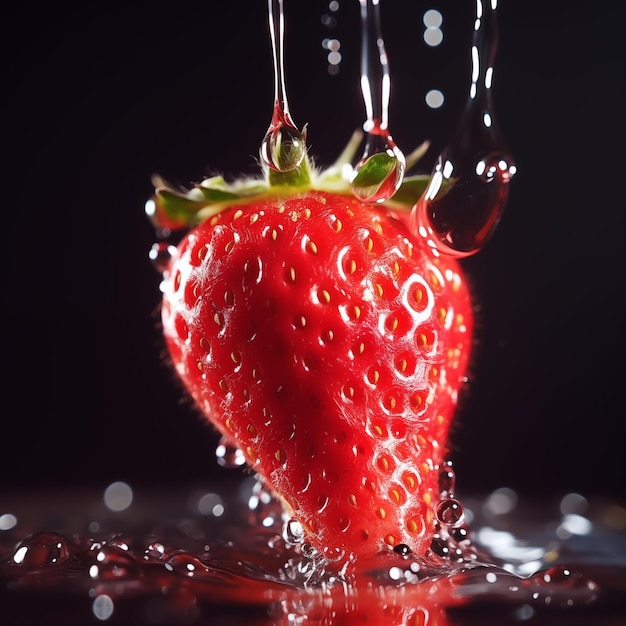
x: 293, y: 532
x: 564, y: 577
x: 450, y: 512
x: 333, y: 554
x: 284, y: 147
x: 229, y: 455
x: 188, y: 566
x: 266, y: 511
x: 41, y: 550
x: 154, y: 551
x: 161, y: 254
x: 447, y: 480
x: 402, y: 549
x: 379, y: 170
x: 560, y: 585
x: 113, y: 561
x: 439, y: 545
x: 460, y: 534
x: 469, y: 184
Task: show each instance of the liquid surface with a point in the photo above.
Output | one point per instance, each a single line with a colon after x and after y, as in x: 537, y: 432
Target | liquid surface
x: 227, y: 554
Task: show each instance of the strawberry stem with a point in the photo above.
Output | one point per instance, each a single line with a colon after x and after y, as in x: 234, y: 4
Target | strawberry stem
x: 300, y: 176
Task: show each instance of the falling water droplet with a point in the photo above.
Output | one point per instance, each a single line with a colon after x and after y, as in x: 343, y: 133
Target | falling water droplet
x: 284, y: 147
x: 379, y: 171
x: 469, y: 184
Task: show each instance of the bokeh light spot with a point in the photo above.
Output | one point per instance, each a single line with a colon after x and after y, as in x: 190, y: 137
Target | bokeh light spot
x: 118, y: 496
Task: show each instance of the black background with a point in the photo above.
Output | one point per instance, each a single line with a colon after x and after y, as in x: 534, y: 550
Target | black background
x: 97, y: 98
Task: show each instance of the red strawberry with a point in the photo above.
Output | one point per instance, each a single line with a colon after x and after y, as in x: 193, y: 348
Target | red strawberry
x: 329, y: 344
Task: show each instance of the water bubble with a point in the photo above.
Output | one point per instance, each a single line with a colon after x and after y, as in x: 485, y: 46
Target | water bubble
x: 450, y: 512
x: 308, y: 551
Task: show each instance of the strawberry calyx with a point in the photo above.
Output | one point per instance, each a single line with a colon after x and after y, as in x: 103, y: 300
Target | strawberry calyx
x: 175, y: 209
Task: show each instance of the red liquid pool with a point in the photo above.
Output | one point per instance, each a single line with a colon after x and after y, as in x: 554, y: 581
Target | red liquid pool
x: 227, y: 555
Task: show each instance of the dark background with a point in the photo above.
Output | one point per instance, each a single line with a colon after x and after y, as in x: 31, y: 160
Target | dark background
x: 96, y: 99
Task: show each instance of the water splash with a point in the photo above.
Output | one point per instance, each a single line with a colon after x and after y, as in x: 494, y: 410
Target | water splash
x: 194, y: 565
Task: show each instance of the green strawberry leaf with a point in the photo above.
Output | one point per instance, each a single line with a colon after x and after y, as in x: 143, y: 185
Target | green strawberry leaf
x: 213, y: 194
x: 177, y: 206
x: 411, y: 189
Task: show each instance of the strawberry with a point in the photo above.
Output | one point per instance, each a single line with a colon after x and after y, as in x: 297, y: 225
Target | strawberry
x: 326, y: 341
